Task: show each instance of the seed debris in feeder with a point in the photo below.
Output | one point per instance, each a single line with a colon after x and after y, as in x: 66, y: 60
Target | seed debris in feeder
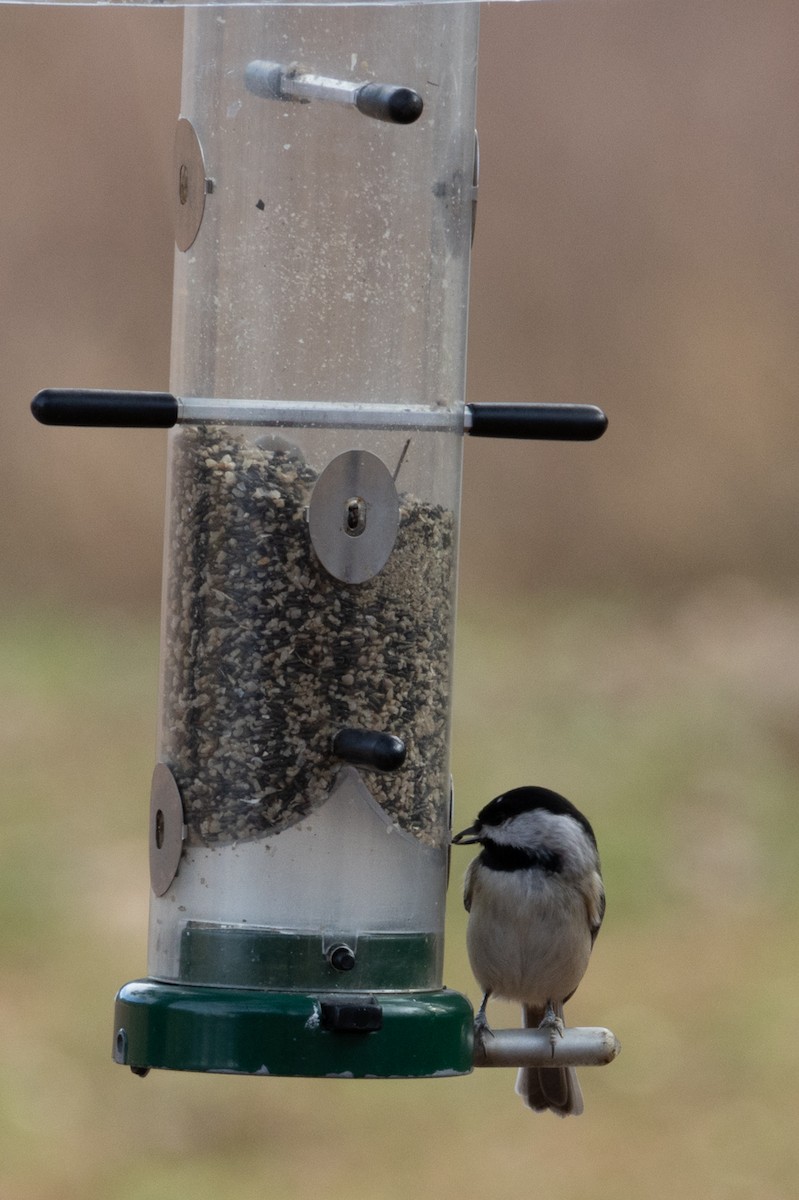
x: 268, y: 657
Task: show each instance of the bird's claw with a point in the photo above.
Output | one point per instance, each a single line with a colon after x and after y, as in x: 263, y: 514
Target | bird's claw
x: 554, y: 1024
x: 482, y: 1029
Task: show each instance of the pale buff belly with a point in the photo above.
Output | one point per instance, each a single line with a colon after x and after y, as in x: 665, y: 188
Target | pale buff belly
x: 528, y: 937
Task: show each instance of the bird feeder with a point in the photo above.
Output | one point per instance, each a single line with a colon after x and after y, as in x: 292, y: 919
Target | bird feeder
x: 324, y: 191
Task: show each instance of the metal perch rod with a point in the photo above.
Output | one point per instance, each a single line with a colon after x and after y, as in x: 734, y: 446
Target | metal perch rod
x: 587, y: 1047
x: 384, y: 101
x: 81, y: 406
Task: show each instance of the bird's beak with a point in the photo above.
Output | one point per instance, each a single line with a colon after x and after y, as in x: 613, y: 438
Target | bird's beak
x: 467, y: 837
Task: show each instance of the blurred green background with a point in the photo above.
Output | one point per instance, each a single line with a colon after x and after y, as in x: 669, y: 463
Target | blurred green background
x: 628, y: 614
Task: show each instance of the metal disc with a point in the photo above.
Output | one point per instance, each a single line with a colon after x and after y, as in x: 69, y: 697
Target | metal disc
x: 189, y: 184
x: 353, y: 516
x: 167, y: 829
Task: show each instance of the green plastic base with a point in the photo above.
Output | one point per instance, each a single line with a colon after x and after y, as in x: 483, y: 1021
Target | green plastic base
x: 382, y: 1035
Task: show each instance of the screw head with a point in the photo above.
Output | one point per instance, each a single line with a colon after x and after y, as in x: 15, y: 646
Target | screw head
x: 341, y: 958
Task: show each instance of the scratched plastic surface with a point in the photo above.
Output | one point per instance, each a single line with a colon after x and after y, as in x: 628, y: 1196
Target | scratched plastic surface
x: 251, y: 3
x: 331, y: 267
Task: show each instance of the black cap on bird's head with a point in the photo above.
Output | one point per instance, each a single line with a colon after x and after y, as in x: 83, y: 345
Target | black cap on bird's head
x: 511, y: 804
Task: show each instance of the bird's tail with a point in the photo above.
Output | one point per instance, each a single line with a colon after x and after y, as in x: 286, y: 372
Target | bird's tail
x: 554, y: 1088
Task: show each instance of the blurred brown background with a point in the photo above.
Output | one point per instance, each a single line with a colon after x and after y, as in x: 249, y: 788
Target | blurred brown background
x: 636, y: 248
x: 627, y: 628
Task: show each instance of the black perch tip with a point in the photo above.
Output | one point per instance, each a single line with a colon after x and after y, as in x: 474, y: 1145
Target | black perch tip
x: 370, y: 748
x: 387, y: 102
x: 118, y: 410
x: 538, y: 422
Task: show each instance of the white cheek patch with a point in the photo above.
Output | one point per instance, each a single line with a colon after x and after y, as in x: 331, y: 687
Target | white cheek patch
x: 557, y: 833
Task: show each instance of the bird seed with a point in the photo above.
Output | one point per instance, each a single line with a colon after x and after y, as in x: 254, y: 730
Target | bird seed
x: 267, y: 656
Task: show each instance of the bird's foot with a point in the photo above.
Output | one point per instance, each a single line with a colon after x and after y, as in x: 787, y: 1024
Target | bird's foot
x: 554, y: 1024
x: 482, y: 1029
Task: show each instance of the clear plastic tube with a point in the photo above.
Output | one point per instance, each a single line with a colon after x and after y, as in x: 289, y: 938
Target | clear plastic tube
x: 247, y: 3
x: 328, y: 280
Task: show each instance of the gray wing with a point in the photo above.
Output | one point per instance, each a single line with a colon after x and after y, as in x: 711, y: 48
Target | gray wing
x: 468, y: 885
x: 596, y: 907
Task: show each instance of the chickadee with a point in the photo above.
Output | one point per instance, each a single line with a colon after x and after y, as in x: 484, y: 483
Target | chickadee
x: 535, y: 900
